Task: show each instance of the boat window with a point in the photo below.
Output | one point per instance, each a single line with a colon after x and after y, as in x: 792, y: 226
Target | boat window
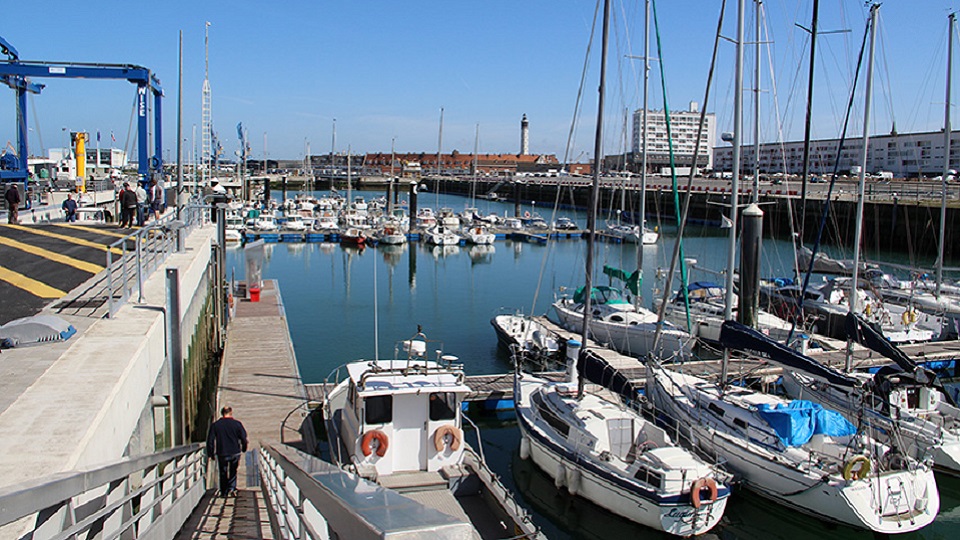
x: 443, y: 406
x: 740, y: 423
x: 620, y: 433
x: 646, y: 475
x: 379, y: 409
x: 549, y: 416
x: 715, y: 409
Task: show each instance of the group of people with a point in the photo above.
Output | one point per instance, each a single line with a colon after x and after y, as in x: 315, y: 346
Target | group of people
x: 137, y: 204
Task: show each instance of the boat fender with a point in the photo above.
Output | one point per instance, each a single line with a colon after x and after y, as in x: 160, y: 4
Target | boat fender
x: 868, y: 309
x: 440, y: 437
x: 909, y: 317
x: 858, y: 467
x: 561, y: 478
x: 366, y: 444
x: 573, y: 480
x: 696, y: 491
x: 524, y: 448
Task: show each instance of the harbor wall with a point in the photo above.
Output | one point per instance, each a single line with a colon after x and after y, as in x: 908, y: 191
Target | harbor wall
x: 893, y: 224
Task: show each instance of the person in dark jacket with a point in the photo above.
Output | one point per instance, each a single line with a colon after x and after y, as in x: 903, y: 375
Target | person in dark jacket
x: 128, y: 206
x: 69, y: 208
x: 12, y: 196
x: 227, y: 441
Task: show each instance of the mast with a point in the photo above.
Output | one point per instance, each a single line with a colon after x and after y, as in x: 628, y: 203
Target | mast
x: 207, y: 113
x: 643, y: 159
x: 439, y: 147
x: 807, y: 121
x: 858, y: 223
x: 473, y: 185
x: 179, y: 126
x: 734, y: 182
x: 756, y: 108
x: 595, y: 191
x: 946, y: 156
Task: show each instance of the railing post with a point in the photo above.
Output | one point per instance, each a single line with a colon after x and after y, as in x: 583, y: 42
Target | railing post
x: 175, y: 355
x: 139, y: 271
x: 110, y: 300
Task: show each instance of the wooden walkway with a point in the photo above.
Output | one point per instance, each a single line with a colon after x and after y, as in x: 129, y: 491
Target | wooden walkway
x: 260, y: 379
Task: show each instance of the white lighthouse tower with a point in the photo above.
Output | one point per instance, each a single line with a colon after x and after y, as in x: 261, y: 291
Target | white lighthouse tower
x: 524, y: 136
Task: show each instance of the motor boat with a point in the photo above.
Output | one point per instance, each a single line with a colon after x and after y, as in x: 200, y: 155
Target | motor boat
x: 525, y: 337
x: 440, y: 235
x: 477, y: 234
x: 400, y: 423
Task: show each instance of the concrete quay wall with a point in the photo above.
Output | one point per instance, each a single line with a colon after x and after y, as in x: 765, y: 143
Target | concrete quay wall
x: 94, y: 403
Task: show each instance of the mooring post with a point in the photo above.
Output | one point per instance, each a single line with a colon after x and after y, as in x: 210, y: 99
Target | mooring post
x: 175, y: 355
x: 751, y: 239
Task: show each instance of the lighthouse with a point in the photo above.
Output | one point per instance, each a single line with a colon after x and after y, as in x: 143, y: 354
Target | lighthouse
x: 524, y: 136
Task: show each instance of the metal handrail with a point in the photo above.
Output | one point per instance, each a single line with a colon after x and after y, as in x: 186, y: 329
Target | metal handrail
x: 153, y: 496
x: 153, y: 244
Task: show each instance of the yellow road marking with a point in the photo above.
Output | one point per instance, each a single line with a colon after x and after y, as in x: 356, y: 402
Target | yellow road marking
x: 91, y: 229
x: 30, y: 285
x: 56, y: 257
x: 65, y: 238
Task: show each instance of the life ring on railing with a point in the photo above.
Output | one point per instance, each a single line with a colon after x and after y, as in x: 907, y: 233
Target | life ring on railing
x: 440, y: 437
x: 526, y: 214
x: 696, y: 491
x: 858, y: 467
x: 366, y: 444
x: 909, y: 317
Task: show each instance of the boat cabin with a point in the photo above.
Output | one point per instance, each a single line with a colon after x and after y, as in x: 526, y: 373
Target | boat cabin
x: 404, y: 415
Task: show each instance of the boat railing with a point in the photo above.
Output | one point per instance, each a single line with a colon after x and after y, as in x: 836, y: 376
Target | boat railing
x: 147, y: 496
x: 500, y: 492
x: 128, y: 267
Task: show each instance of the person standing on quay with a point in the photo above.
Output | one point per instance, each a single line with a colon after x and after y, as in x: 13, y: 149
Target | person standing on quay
x: 12, y: 196
x: 128, y: 206
x: 70, y: 208
x: 227, y: 441
x: 141, y: 204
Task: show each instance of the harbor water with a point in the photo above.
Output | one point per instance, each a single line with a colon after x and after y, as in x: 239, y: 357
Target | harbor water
x: 345, y: 304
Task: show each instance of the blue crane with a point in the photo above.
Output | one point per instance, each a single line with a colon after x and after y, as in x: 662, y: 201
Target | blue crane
x: 17, y: 73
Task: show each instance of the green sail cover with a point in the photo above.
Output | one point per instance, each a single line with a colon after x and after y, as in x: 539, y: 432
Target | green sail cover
x: 632, y: 281
x: 600, y: 295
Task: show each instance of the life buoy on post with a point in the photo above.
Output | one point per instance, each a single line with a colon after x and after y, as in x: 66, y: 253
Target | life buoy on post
x: 909, y: 317
x: 696, y: 491
x: 366, y: 444
x: 858, y: 467
x: 440, y: 437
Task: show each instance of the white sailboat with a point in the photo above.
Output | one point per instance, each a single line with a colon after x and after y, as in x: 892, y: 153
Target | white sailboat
x: 597, y: 448
x: 793, y: 452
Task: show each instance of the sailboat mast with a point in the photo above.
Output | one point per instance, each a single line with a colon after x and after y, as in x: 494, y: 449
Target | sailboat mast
x: 595, y: 191
x: 734, y: 182
x: 643, y: 160
x: 473, y: 185
x: 946, y: 155
x: 807, y: 121
x: 439, y: 147
x: 756, y: 107
x: 858, y: 223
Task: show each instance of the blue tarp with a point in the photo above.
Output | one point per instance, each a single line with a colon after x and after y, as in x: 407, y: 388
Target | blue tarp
x: 797, y: 421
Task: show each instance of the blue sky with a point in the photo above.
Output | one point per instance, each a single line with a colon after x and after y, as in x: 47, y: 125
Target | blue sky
x: 384, y: 69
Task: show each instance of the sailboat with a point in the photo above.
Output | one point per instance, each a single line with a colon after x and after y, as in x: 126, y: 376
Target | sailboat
x: 794, y: 452
x: 904, y: 404
x: 603, y: 451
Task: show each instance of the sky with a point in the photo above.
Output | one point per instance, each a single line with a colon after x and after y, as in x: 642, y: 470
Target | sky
x: 381, y: 71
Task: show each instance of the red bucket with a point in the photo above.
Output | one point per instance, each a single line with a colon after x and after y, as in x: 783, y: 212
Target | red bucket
x: 255, y: 293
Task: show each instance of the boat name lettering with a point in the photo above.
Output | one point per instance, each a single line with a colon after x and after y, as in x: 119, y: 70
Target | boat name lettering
x: 680, y: 513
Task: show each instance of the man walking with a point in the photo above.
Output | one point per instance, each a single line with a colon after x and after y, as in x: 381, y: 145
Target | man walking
x: 128, y: 206
x: 12, y: 196
x: 227, y: 441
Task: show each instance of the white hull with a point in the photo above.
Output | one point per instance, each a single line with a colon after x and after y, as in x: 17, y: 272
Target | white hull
x: 888, y: 502
x: 634, y: 338
x: 609, y: 487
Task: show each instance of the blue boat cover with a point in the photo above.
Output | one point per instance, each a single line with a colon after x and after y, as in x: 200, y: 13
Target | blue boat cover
x: 799, y: 420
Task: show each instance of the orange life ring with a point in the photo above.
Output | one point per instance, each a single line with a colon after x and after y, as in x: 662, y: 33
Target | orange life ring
x: 698, y: 486
x: 526, y: 214
x: 440, y: 437
x: 366, y: 444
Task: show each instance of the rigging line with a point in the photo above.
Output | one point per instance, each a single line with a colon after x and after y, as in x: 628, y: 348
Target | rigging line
x: 885, y: 77
x: 673, y: 168
x: 833, y: 180
x: 583, y: 81
x: 36, y: 122
x: 677, y: 248
x: 567, y: 150
x: 133, y: 112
